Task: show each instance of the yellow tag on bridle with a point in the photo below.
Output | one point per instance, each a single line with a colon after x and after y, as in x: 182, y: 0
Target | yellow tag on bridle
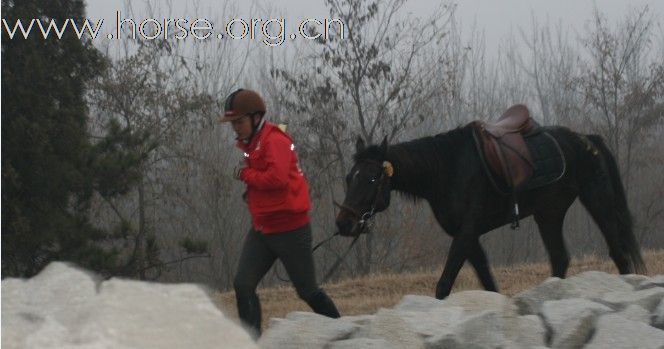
x: 387, y: 167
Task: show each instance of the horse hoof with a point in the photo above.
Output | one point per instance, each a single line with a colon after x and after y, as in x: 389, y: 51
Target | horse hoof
x: 442, y: 295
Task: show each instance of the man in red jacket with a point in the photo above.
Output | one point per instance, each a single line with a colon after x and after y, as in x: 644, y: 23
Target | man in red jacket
x: 278, y: 199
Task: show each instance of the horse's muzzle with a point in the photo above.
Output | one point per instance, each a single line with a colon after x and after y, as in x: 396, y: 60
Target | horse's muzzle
x: 346, y: 224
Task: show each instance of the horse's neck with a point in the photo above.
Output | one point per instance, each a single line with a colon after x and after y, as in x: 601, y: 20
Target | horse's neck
x: 416, y: 167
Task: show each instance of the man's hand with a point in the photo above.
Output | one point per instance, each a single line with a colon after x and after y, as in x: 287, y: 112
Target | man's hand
x: 238, y: 169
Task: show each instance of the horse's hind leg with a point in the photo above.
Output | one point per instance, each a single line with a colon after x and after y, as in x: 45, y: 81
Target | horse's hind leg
x: 602, y: 193
x: 478, y: 260
x: 600, y: 208
x: 550, y: 224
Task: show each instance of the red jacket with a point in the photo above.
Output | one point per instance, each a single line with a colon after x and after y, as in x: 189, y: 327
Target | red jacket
x: 277, y: 192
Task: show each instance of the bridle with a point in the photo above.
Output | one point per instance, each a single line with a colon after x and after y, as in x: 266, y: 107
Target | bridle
x: 385, y: 175
x: 363, y: 217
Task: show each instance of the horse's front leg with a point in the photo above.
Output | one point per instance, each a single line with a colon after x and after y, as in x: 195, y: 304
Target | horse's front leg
x: 477, y: 258
x: 455, y: 258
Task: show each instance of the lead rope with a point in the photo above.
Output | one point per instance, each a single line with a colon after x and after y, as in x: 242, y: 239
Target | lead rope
x: 334, y: 266
x: 339, y: 260
x: 363, y: 218
x: 388, y: 171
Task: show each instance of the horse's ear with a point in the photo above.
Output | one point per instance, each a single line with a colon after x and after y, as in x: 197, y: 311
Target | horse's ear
x: 383, y: 146
x: 359, y: 144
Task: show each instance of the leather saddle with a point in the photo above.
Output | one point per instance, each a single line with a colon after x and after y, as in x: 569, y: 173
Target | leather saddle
x: 503, y: 148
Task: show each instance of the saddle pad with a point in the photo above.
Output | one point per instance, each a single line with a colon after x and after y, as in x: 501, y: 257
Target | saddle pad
x: 547, y: 157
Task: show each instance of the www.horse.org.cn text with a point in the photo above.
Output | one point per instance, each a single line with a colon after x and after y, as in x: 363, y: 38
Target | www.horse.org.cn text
x: 271, y: 32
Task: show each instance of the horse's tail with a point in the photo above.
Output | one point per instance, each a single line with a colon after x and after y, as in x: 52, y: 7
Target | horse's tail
x: 607, y: 189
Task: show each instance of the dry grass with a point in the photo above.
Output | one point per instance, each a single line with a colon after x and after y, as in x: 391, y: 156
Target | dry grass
x: 366, y: 295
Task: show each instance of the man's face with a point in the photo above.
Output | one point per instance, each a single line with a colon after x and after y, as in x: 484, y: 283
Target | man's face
x: 242, y: 127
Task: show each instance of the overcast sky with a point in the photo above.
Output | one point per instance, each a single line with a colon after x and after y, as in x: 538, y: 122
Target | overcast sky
x: 495, y: 18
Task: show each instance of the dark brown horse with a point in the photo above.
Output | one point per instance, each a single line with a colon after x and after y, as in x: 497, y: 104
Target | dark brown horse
x: 449, y: 172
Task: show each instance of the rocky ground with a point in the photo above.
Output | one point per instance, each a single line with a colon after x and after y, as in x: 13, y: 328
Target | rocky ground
x: 589, y: 310
x: 66, y: 307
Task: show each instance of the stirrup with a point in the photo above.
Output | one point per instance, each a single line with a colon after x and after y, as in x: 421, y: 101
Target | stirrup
x: 515, y: 217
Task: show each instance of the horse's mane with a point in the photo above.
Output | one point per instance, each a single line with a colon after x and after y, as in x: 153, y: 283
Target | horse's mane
x: 420, y: 162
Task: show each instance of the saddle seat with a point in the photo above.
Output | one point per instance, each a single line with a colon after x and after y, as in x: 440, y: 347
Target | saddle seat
x: 503, y: 147
x: 515, y: 119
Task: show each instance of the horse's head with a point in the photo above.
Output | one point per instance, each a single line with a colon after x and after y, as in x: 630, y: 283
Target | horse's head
x: 367, y: 188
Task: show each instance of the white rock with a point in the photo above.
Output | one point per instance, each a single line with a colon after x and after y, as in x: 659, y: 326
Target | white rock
x: 482, y: 330
x: 275, y: 321
x: 530, y: 301
x: 655, y: 281
x: 576, y: 332
x: 556, y: 313
x: 418, y: 303
x: 476, y: 301
x: 615, y: 332
x: 433, y: 322
x: 658, y: 316
x: 531, y: 331
x: 648, y: 298
x: 306, y: 330
x: 161, y: 315
x: 56, y: 290
x: 635, y: 313
x: 37, y: 312
x: 491, y: 329
x: 304, y: 316
x: 594, y: 284
x: 389, y: 324
x: 571, y: 321
x: 361, y: 343
x: 361, y: 320
x: 65, y: 307
x: 634, y: 279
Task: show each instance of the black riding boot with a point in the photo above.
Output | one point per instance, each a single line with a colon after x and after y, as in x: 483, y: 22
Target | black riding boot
x: 249, y: 310
x: 321, y: 303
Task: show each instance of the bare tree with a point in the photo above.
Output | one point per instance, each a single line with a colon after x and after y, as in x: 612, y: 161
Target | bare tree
x: 623, y: 83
